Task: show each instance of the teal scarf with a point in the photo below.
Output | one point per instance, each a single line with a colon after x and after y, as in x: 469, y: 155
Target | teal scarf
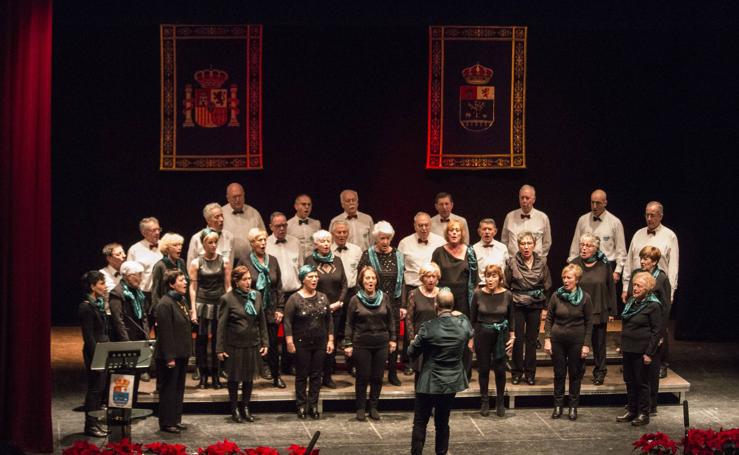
x: 473, y: 277
x: 263, y: 281
x: 655, y: 272
x: 574, y: 298
x: 401, y: 265
x: 501, y: 328
x: 633, y: 307
x: 135, y: 297
x: 370, y: 302
x: 329, y: 258
x: 249, y: 298
x: 99, y: 303
x: 598, y: 256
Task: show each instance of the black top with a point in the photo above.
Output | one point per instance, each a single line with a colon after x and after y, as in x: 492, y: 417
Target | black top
x: 174, y: 339
x: 640, y: 333
x: 387, y: 276
x: 126, y: 327
x: 158, y: 286
x: 492, y: 308
x: 367, y: 327
x: 236, y: 328
x: 420, y: 310
x: 275, y: 291
x: 567, y: 322
x: 331, y: 278
x: 308, y: 319
x: 523, y: 281
x: 455, y: 276
x: 597, y: 282
x: 663, y: 291
x: 211, y: 279
x: 95, y: 328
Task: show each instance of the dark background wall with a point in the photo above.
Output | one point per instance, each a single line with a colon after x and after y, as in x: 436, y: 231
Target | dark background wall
x: 639, y: 101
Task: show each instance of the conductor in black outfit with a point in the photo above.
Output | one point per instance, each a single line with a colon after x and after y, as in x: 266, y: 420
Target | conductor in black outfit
x: 172, y: 351
x: 95, y: 329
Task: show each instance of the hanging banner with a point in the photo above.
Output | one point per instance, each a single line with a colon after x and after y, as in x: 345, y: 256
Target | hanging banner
x: 477, y: 98
x: 211, y: 78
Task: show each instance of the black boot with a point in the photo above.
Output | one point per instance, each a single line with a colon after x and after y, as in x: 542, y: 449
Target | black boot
x: 484, y: 405
x: 245, y: 413
x: 301, y: 412
x: 374, y: 414
x: 278, y: 382
x: 216, y: 378
x: 641, y: 419
x: 557, y: 412
x: 203, y: 384
x: 235, y: 414
x: 499, y: 406
x: 572, y: 415
x: 313, y: 412
x: 628, y: 417
x: 92, y: 428
x: 328, y: 382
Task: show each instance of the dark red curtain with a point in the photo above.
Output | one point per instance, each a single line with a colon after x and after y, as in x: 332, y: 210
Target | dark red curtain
x: 25, y: 214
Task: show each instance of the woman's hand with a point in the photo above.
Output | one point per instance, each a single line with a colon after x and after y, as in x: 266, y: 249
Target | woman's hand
x: 611, y: 319
x: 509, y: 345
x: 194, y: 316
x: 647, y: 359
x: 170, y: 363
x: 403, y: 312
x: 392, y: 346
x: 335, y: 306
x: 222, y: 356
x: 291, y: 347
x: 330, y: 347
x: 543, y: 315
x: 623, y: 296
x: 584, y: 352
x: 348, y: 351
x: 263, y: 351
x: 278, y: 317
x: 548, y: 346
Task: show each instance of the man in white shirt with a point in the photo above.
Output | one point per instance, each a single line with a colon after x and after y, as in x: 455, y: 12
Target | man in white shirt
x: 286, y: 249
x: 301, y: 226
x: 146, y: 252
x: 349, y: 253
x: 444, y: 205
x: 360, y: 224
x: 658, y: 236
x: 488, y: 250
x: 417, y: 249
x: 527, y: 218
x: 213, y: 214
x: 238, y: 218
x: 115, y: 256
x: 607, y: 227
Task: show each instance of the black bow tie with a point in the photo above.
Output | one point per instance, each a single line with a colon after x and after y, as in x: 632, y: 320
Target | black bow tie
x: 444, y: 220
x: 153, y: 246
x: 281, y: 241
x: 305, y: 221
x: 651, y: 231
x: 525, y: 217
x: 351, y: 217
x: 238, y: 211
x: 425, y: 242
x: 117, y: 274
x: 596, y: 218
x: 489, y: 245
x: 341, y: 248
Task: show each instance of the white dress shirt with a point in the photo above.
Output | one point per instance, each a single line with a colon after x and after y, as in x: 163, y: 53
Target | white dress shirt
x: 350, y: 258
x: 416, y: 253
x: 537, y: 224
x: 112, y: 277
x: 496, y: 254
x: 439, y: 228
x: 303, y: 233
x: 611, y: 233
x: 225, y: 246
x: 289, y: 258
x: 360, y: 228
x: 239, y: 224
x: 666, y: 241
x: 147, y: 257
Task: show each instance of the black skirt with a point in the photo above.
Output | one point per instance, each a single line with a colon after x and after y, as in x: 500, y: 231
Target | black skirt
x: 242, y: 364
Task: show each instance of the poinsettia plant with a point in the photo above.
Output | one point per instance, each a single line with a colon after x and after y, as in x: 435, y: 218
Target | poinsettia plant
x: 656, y: 443
x: 710, y: 442
x: 162, y: 448
x: 225, y: 447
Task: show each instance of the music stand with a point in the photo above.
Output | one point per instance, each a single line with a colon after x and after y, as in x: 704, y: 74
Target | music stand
x: 122, y: 358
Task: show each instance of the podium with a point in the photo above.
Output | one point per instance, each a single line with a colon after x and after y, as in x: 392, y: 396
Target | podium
x: 121, y: 361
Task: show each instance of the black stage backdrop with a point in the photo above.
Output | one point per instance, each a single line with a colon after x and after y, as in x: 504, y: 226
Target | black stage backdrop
x: 638, y: 102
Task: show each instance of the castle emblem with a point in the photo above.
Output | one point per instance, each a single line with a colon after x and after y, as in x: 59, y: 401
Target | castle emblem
x: 477, y: 100
x: 214, y: 106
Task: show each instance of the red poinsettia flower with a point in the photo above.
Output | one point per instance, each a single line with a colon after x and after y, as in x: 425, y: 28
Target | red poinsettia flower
x: 82, y: 447
x: 221, y: 448
x: 122, y: 447
x: 655, y: 443
x: 295, y: 449
x: 162, y: 448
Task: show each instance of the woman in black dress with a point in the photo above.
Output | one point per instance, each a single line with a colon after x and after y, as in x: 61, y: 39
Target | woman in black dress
x: 492, y: 317
x: 640, y: 334
x: 369, y: 335
x: 267, y: 280
x: 170, y: 246
x: 649, y: 258
x: 95, y: 329
x: 172, y: 351
x: 389, y: 266
x: 597, y: 282
x: 332, y: 282
x: 458, y: 265
x: 422, y: 305
x: 309, y: 334
x: 210, y: 278
x: 567, y: 334
x: 528, y: 279
x: 242, y: 340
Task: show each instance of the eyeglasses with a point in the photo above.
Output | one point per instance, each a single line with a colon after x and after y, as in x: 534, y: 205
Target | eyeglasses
x: 280, y: 225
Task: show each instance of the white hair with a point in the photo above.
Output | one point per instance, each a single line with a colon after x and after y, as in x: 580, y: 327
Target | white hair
x: 130, y: 267
x: 383, y: 227
x: 208, y: 208
x: 254, y: 233
x: 321, y: 235
x: 590, y: 238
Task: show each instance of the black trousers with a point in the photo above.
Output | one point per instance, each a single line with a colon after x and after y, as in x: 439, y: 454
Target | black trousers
x: 654, y: 376
x: 567, y: 361
x: 207, y: 335
x: 370, y: 365
x: 664, y: 349
x: 442, y: 407
x: 485, y: 340
x: 329, y: 364
x: 273, y: 355
x: 528, y: 321
x: 598, y: 340
x: 309, y: 357
x: 287, y: 360
x: 171, y: 392
x: 95, y: 394
x: 636, y: 377
x: 233, y: 392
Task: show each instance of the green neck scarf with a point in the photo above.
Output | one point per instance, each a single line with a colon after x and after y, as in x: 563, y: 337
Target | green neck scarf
x: 500, y: 327
x: 327, y: 259
x: 249, y: 298
x: 598, y: 256
x: 473, y: 277
x: 574, y: 298
x: 401, y: 265
x: 98, y: 303
x: 135, y: 297
x: 655, y: 272
x: 633, y: 306
x: 370, y: 302
x: 263, y: 281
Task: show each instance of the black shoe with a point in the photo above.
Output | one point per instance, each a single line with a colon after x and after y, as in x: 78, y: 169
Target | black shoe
x: 374, y: 415
x: 485, y: 406
x: 557, y: 412
x: 145, y: 377
x: 279, y: 383
x: 628, y: 417
x: 196, y: 375
x: 408, y: 371
x: 572, y: 415
x: 223, y: 374
x: 598, y: 381
x: 95, y: 431
x: 181, y: 426
x: 353, y: 372
x: 173, y: 430
x: 301, y: 412
x: 216, y: 382
x: 203, y: 384
x: 235, y: 416
x: 515, y: 380
x: 328, y: 382
x: 266, y: 374
x: 653, y: 411
x: 393, y: 379
x: 245, y: 413
x: 500, y: 406
x: 538, y: 344
x: 531, y: 380
x: 641, y: 419
x: 313, y: 413
x: 662, y: 372
x: 361, y: 416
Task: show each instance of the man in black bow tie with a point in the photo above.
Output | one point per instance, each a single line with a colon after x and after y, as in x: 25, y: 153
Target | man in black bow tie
x: 444, y: 204
x: 527, y: 218
x: 301, y: 226
x: 238, y: 219
x: 360, y: 224
x: 114, y: 256
x: 488, y: 250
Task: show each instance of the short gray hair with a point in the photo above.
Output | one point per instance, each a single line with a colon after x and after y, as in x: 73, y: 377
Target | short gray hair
x: 321, y: 235
x: 169, y: 239
x: 528, y: 187
x: 523, y: 235
x: 590, y: 238
x: 659, y: 206
x: 145, y: 221
x: 254, y: 233
x: 383, y: 227
x: 487, y: 221
x: 208, y: 208
x: 338, y: 222
x: 108, y: 249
